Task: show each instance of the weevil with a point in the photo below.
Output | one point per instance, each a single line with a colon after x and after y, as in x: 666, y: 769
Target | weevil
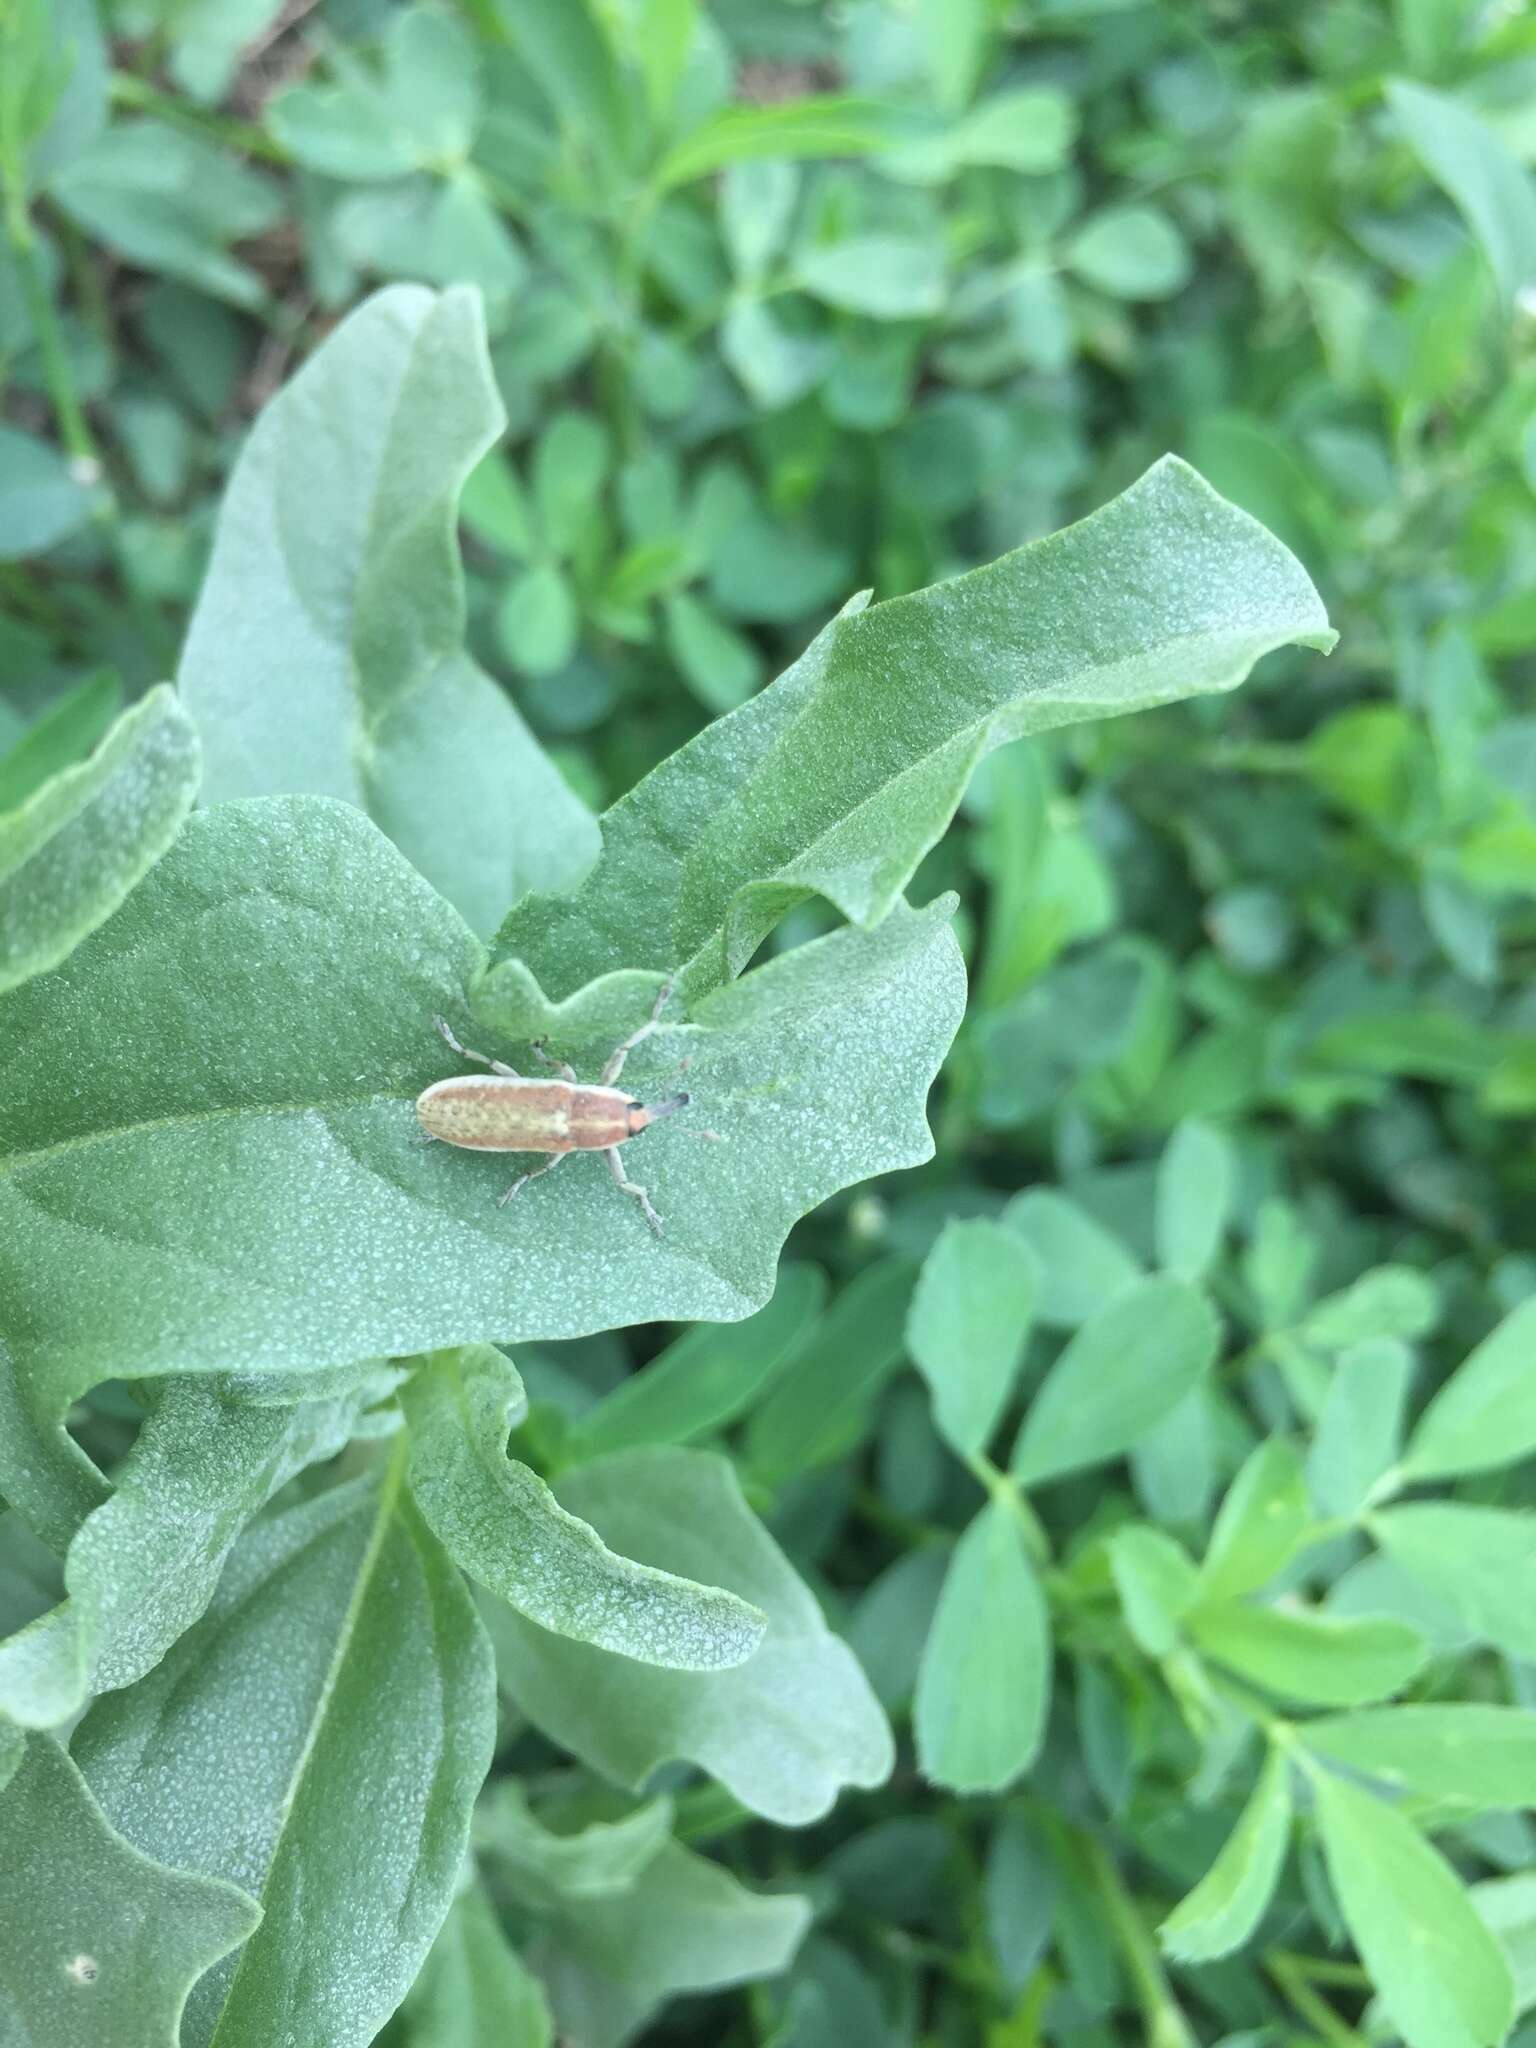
x: 505, y: 1111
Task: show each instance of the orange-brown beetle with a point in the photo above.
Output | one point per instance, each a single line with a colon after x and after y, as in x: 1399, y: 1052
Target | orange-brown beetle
x: 505, y: 1111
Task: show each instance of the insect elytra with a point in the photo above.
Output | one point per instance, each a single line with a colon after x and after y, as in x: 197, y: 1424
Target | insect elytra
x: 505, y: 1111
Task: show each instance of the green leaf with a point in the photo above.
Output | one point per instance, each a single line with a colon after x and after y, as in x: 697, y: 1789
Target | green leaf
x: 60, y: 737
x: 1480, y: 1561
x: 1194, y: 1199
x: 1441, y: 1975
x: 1360, y: 1429
x: 968, y: 1325
x: 1132, y: 252
x: 344, y: 131
x: 343, y: 1634
x: 1124, y: 1370
x: 1227, y: 1904
x: 570, y: 468
x: 1263, y: 1521
x: 145, y: 1564
x: 171, y: 202
x: 1492, y: 189
x: 888, y: 277
x: 1389, y: 1301
x: 583, y: 1862
x: 1305, y: 1655
x: 782, y: 1732
x: 984, y: 1684
x: 326, y: 653
x: 501, y: 1523
x: 807, y: 126
x: 77, y: 846
x: 705, y: 1378
x: 1029, y: 131
x: 41, y: 500
x: 97, y: 1942
x: 1081, y: 1265
x: 720, y: 665
x: 1468, y: 1755
x: 757, y: 204
x: 1485, y: 1414
x: 130, y: 1092
x: 684, y: 1925
x: 566, y: 52
x: 474, y: 1988
x: 1157, y: 1585
x: 79, y: 113
x: 824, y: 1393
x: 537, y: 621
x: 838, y: 778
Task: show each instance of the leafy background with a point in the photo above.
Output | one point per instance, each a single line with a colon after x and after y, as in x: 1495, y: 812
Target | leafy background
x: 1126, y: 1512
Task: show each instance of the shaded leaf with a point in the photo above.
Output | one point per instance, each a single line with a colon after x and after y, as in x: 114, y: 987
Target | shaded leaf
x: 1489, y: 185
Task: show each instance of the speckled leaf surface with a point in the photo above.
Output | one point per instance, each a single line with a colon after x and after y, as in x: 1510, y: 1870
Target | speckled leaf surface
x: 211, y: 1160
x: 74, y: 849
x: 503, y: 1525
x: 144, y: 1565
x: 98, y: 1942
x: 326, y: 653
x: 840, y: 777
x: 344, y: 1635
x: 785, y: 1731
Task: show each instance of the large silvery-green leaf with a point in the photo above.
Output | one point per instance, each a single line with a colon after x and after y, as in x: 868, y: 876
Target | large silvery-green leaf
x: 327, y: 654
x: 74, y: 849
x: 785, y: 1731
x: 233, y: 1179
x: 144, y: 1565
x: 838, y: 778
x: 344, y: 1636
x: 98, y: 1942
x: 504, y: 1526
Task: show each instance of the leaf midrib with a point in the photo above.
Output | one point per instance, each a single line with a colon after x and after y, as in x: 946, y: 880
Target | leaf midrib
x: 389, y: 1492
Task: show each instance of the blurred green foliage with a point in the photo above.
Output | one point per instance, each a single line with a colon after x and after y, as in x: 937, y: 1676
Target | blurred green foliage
x: 1125, y: 1442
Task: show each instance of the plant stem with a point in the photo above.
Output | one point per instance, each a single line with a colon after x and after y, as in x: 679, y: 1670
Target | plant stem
x: 1166, y: 2026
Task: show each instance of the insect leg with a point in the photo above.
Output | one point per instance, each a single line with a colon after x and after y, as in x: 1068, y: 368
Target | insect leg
x: 496, y: 1066
x: 629, y: 1187
x: 561, y: 1067
x: 621, y: 1052
x: 534, y: 1173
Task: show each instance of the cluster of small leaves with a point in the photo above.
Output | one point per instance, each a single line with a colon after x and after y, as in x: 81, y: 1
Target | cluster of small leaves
x: 1106, y: 1547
